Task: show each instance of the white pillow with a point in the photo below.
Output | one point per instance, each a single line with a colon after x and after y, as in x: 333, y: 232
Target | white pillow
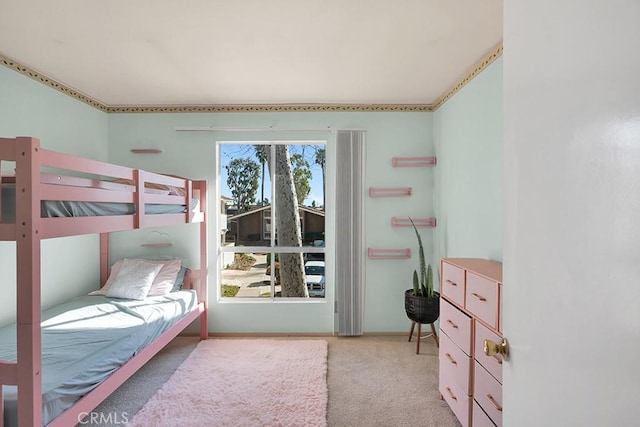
x: 164, y: 281
x: 134, y: 279
x: 162, y: 284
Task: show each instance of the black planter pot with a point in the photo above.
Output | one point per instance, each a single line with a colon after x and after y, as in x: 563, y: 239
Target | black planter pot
x: 422, y: 309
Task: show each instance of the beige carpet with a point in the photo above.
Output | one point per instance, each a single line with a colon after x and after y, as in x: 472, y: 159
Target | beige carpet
x: 381, y: 381
x: 372, y: 381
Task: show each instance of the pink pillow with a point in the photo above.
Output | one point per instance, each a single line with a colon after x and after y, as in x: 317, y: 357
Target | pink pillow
x: 162, y: 284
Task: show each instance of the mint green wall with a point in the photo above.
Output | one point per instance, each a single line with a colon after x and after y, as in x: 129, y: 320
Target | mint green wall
x: 193, y: 154
x: 29, y: 108
x: 463, y: 191
x: 468, y: 179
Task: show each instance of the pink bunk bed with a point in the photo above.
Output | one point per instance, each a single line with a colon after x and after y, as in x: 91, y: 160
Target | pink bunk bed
x: 55, y: 195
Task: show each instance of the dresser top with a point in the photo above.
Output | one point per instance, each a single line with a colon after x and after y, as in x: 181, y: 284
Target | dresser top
x: 490, y: 269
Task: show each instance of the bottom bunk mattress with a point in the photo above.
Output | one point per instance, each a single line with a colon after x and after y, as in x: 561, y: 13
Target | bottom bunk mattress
x: 88, y: 338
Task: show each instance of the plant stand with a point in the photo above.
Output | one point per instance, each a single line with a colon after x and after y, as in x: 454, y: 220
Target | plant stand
x: 423, y: 311
x: 433, y: 333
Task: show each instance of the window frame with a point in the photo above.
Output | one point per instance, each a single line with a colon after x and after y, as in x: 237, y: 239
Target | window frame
x: 272, y: 249
x: 266, y: 235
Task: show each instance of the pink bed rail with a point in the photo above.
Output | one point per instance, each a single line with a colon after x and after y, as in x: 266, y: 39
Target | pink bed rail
x: 33, y: 175
x: 34, y: 183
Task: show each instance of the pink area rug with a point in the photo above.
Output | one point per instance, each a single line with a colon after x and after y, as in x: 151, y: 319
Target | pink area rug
x: 244, y: 382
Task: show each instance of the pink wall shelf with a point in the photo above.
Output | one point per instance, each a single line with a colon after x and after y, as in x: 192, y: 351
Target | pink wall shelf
x: 389, y: 253
x: 419, y: 222
x: 157, y: 239
x: 146, y: 150
x: 156, y: 245
x: 390, y: 191
x: 407, y: 162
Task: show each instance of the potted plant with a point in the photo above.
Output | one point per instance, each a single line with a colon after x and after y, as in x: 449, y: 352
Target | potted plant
x: 422, y: 303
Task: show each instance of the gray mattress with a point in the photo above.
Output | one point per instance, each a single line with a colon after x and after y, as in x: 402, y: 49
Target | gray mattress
x: 52, y: 208
x: 88, y: 338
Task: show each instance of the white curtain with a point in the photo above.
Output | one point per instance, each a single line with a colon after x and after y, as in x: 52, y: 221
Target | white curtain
x: 350, y: 232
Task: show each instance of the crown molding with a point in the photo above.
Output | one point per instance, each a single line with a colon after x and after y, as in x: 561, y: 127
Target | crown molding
x: 257, y: 108
x: 487, y: 60
x: 24, y: 70
x: 263, y: 108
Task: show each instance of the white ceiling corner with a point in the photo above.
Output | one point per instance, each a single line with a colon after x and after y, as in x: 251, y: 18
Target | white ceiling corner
x: 208, y: 52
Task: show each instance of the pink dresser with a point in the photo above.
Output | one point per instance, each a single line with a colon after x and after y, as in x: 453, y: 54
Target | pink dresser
x: 470, y: 312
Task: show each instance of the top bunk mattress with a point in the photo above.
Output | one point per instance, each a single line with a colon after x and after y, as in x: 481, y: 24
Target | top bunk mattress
x: 88, y: 338
x: 54, y: 208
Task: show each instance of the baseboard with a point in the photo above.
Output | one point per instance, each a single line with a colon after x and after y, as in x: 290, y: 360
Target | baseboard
x: 263, y: 334
x: 385, y: 334
x: 289, y: 334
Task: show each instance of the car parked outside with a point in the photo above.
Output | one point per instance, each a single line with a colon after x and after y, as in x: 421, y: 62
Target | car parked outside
x: 315, y: 256
x: 314, y: 270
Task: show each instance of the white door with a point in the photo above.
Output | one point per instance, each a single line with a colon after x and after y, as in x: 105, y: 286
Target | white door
x: 572, y: 212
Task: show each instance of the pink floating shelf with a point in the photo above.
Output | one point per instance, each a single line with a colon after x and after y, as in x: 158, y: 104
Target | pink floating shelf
x: 146, y: 150
x: 156, y: 245
x: 389, y: 253
x: 390, y: 191
x: 157, y: 239
x: 408, y: 162
x: 419, y: 222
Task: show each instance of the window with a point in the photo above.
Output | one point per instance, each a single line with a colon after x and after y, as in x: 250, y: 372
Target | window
x: 272, y: 246
x: 266, y: 225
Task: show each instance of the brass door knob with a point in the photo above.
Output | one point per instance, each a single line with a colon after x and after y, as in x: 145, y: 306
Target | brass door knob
x: 492, y: 348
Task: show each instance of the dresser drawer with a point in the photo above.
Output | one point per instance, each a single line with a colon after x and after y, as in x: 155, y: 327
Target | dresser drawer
x: 493, y: 364
x: 488, y: 393
x: 453, y: 283
x: 458, y: 401
x: 455, y: 363
x: 481, y: 298
x: 500, y: 308
x: 479, y: 418
x: 456, y: 324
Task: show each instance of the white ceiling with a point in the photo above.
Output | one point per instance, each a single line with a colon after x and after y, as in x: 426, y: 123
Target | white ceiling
x: 204, y: 52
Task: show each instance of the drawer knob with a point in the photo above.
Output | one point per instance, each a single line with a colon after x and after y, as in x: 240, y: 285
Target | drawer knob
x: 451, y: 395
x: 451, y: 283
x: 479, y: 297
x: 494, y: 403
x: 492, y: 348
x: 451, y: 359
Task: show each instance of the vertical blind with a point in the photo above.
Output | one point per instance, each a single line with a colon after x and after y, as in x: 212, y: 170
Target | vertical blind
x: 350, y: 232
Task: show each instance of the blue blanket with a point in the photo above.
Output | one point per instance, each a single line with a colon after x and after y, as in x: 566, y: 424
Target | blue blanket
x: 88, y: 338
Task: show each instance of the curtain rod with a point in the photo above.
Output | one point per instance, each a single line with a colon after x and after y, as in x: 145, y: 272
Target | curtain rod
x: 263, y: 129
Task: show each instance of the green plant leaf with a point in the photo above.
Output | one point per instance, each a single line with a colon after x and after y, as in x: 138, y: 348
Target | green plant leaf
x: 424, y: 281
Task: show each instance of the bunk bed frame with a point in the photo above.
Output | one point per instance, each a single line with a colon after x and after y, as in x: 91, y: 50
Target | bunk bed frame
x: 34, y: 185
